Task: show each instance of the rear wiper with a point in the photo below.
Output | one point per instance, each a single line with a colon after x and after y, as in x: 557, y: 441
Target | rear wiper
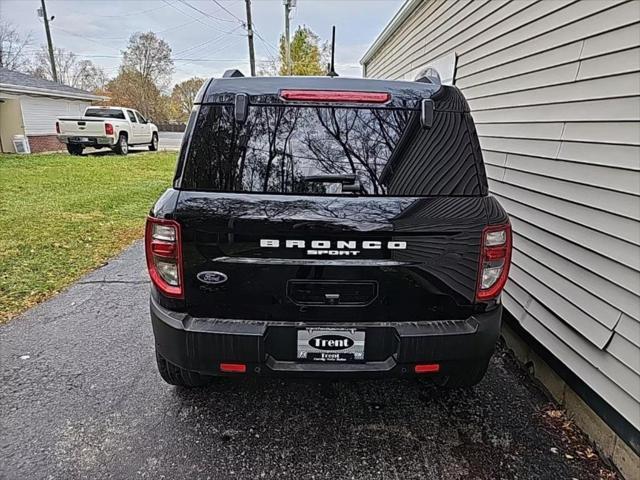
x: 349, y: 181
x: 331, y: 178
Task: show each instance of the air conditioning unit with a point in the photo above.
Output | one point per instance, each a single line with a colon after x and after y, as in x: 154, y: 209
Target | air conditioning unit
x: 21, y: 144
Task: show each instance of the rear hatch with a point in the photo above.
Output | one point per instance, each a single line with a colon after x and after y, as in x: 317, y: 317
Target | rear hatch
x: 330, y: 207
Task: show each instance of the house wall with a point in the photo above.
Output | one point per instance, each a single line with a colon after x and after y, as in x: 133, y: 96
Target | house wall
x: 554, y: 89
x: 40, y: 114
x: 45, y: 143
x: 10, y: 121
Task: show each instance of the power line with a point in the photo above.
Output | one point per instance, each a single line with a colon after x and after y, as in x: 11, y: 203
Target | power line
x: 155, y: 9
x: 101, y: 43
x: 228, y: 11
x: 176, y: 26
x: 192, y: 17
x: 195, y: 47
x: 220, y: 48
x: 200, y: 45
x: 204, y: 13
x: 268, y: 47
x: 102, y: 39
x: 175, y: 59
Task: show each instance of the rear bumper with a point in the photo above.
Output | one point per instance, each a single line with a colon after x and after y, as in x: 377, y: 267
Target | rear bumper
x: 269, y: 347
x: 87, y: 141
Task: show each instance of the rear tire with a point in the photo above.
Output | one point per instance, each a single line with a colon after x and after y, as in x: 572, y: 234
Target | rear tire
x: 180, y: 377
x: 153, y: 146
x: 469, y: 375
x: 74, y: 149
x: 122, y: 147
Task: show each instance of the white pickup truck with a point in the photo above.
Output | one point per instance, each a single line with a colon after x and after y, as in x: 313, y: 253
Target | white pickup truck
x: 113, y: 127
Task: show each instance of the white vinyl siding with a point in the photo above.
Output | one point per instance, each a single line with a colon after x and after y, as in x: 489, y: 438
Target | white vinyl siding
x: 40, y: 113
x: 554, y: 89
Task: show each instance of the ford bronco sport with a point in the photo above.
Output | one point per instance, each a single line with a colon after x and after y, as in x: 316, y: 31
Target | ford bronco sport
x: 329, y: 227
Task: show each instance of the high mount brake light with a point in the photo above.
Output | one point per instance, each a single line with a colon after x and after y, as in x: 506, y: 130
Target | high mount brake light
x: 495, y: 259
x: 163, y: 248
x: 108, y: 129
x: 335, y: 96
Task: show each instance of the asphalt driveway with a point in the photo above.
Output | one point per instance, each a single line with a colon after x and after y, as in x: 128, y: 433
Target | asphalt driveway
x: 81, y: 398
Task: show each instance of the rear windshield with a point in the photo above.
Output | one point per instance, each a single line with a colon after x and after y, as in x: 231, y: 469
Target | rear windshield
x: 104, y: 113
x: 326, y: 150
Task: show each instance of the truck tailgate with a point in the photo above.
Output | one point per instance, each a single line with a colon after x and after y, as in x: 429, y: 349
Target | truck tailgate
x: 81, y: 127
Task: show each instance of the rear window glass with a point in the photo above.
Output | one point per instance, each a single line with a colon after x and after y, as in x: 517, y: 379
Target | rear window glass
x: 329, y: 150
x: 104, y: 113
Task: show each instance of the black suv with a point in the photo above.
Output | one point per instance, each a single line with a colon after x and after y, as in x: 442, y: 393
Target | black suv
x: 331, y: 227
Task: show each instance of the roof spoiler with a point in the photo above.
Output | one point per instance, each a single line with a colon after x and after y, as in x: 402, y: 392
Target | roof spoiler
x: 232, y: 73
x: 429, y: 75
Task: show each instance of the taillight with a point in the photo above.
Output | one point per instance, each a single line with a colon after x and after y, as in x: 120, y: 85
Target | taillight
x: 495, y: 259
x: 335, y: 96
x: 427, y: 368
x: 233, y: 367
x: 163, y: 248
x: 57, y: 127
x: 108, y: 129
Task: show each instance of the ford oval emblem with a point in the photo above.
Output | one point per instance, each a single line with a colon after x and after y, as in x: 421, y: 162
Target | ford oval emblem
x: 212, y: 278
x: 331, y: 342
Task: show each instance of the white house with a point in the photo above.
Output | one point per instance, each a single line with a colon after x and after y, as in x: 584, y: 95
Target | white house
x: 29, y: 106
x: 554, y: 88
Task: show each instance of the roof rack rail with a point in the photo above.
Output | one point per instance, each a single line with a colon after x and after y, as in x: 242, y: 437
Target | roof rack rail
x: 232, y: 73
x: 429, y: 75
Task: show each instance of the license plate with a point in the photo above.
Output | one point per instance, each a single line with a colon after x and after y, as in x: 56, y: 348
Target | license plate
x: 331, y: 345
x: 80, y: 139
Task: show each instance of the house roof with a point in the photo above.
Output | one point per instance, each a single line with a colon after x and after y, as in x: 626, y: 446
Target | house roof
x: 401, y: 15
x: 16, y: 82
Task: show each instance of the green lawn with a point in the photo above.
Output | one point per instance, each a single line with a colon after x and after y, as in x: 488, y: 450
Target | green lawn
x: 62, y: 216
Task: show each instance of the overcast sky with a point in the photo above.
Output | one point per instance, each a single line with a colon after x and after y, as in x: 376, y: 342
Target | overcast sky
x: 203, y: 44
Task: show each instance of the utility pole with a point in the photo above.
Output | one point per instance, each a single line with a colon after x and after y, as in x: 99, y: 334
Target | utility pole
x: 252, y: 53
x: 46, y: 28
x: 287, y: 45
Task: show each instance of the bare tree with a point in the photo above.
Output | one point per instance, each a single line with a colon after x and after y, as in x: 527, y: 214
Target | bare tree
x: 150, y: 56
x: 71, y: 70
x: 12, y: 47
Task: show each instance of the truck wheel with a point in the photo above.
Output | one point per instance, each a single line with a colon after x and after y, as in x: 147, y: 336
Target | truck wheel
x: 180, y: 377
x: 74, y: 149
x: 153, y: 146
x: 122, y: 147
x: 469, y: 375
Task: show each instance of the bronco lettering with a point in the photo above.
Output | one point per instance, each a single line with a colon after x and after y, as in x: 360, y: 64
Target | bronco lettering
x: 332, y: 246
